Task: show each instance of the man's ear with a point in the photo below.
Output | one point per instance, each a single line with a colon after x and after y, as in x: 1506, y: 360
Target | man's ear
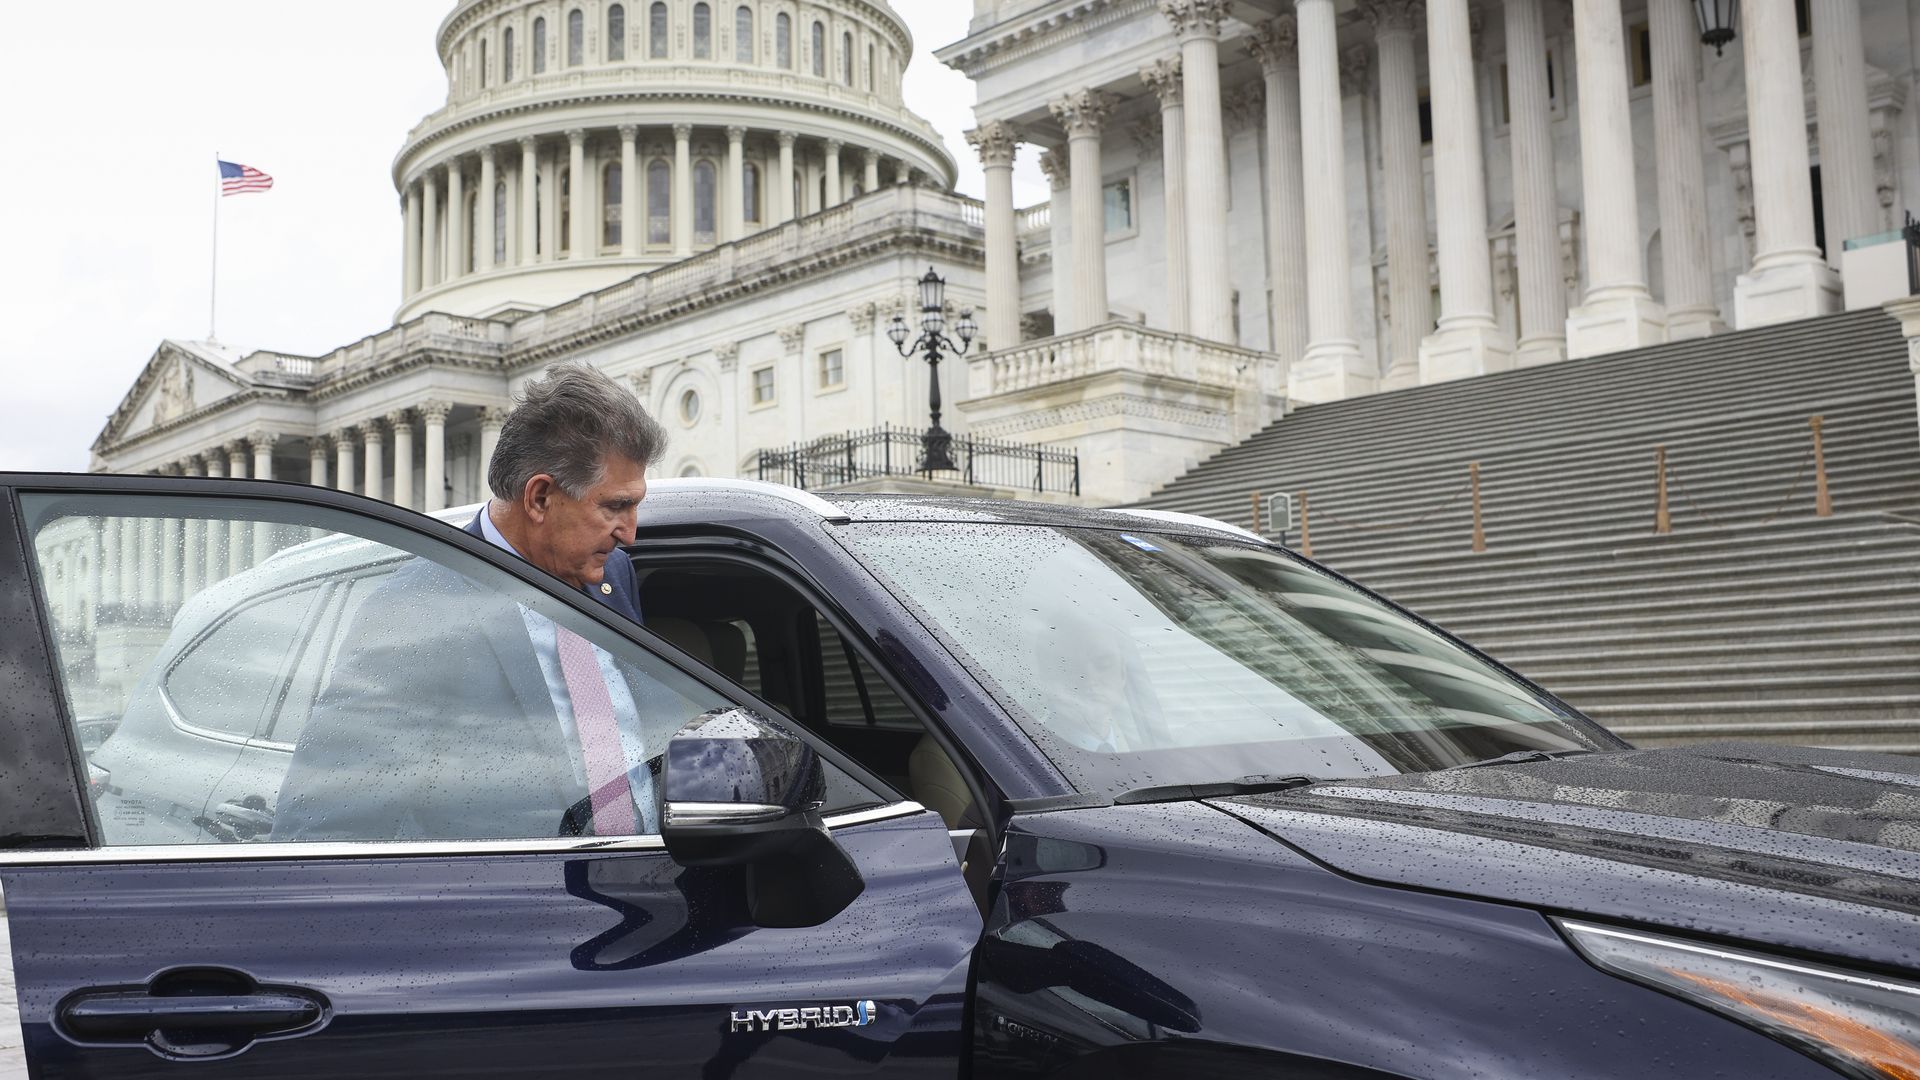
x: 536, y: 499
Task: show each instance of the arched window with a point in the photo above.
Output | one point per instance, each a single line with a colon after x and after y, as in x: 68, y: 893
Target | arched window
x: 799, y: 206
x: 657, y: 31
x: 539, y: 64
x: 750, y: 193
x: 846, y: 59
x: 702, y: 32
x: 659, y: 203
x: 783, y: 42
x: 576, y: 37
x: 743, y: 35
x: 470, y: 225
x: 611, y: 198
x: 566, y: 210
x: 539, y: 213
x: 506, y: 55
x: 819, y: 51
x: 483, y: 63
x: 703, y: 202
x: 499, y: 222
x: 869, y: 66
x: 617, y: 32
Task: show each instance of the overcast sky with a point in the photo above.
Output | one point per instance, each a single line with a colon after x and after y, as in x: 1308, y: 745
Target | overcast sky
x: 113, y: 127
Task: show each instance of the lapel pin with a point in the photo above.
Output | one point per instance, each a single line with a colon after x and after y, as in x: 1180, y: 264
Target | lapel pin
x: 606, y: 589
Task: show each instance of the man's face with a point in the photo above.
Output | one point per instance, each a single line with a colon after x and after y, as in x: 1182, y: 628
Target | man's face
x: 573, y: 537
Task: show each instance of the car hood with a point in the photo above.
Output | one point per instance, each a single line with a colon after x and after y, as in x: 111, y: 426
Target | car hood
x: 1803, y: 848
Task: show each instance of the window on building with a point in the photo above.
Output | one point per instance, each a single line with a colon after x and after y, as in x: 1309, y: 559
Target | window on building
x: 1426, y: 118
x: 763, y: 385
x: 1118, y: 198
x: 576, y: 38
x: 799, y: 201
x: 1803, y: 16
x: 566, y: 210
x: 743, y: 35
x: 846, y: 59
x: 690, y: 407
x: 702, y: 32
x: 870, y: 55
x: 704, y: 197
x: 659, y: 203
x: 833, y: 369
x: 1640, y: 47
x: 506, y: 55
x: 783, y: 42
x: 819, y: 51
x: 539, y: 213
x: 499, y: 222
x: 469, y: 227
x: 539, y: 64
x: 657, y: 31
x: 483, y: 63
x: 750, y: 193
x: 610, y: 204
x: 617, y: 32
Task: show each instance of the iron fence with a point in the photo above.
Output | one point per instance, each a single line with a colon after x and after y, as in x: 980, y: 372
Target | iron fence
x: 836, y: 460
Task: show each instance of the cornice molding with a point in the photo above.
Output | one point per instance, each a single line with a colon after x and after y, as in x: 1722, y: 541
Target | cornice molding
x: 1036, y: 31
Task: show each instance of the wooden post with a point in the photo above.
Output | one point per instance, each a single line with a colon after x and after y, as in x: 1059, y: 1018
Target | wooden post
x: 1256, y: 515
x: 1822, y: 501
x: 1662, y: 520
x: 1306, y: 538
x: 1479, y: 533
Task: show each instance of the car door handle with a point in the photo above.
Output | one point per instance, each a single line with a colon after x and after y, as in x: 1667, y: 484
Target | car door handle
x: 258, y: 818
x: 190, y: 1012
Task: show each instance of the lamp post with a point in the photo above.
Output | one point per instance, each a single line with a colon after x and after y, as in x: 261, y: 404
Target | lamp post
x: 1717, y: 19
x: 932, y: 340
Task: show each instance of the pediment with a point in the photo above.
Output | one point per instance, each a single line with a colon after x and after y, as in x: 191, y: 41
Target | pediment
x: 178, y: 381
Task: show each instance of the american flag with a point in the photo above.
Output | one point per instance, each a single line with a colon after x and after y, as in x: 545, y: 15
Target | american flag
x: 238, y: 179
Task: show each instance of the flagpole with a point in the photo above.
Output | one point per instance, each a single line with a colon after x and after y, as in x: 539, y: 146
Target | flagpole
x: 213, y: 288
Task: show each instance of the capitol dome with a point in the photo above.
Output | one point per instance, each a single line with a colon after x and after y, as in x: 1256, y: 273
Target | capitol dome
x: 587, y: 141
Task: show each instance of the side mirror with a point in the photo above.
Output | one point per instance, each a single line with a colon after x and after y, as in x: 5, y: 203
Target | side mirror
x: 741, y: 792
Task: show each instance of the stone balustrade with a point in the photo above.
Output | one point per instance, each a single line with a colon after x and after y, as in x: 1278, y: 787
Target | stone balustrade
x: 1112, y: 347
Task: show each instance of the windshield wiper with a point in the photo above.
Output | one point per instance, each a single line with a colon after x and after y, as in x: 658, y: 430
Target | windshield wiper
x: 1516, y: 758
x: 1246, y: 785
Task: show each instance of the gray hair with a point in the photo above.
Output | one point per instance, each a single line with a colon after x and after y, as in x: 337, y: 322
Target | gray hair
x: 566, y: 425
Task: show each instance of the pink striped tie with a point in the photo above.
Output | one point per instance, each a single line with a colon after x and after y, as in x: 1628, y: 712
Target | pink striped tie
x: 606, y: 760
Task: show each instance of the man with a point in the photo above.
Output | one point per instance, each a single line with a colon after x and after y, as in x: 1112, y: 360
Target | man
x: 462, y: 710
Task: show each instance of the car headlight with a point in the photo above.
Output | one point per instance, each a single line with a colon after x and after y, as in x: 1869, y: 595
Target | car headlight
x: 1864, y: 1026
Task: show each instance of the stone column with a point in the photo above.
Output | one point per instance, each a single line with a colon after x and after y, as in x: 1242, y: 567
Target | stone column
x: 1083, y: 113
x: 239, y: 533
x: 736, y: 185
x: 1332, y: 367
x: 1409, y: 298
x: 550, y: 208
x: 318, y: 451
x: 1685, y: 261
x: 1209, y: 285
x: 633, y: 216
x: 343, y: 467
x: 435, y: 414
x: 402, y: 423
x: 173, y: 541
x: 1276, y: 46
x: 1788, y: 280
x: 1847, y: 190
x: 783, y: 180
x: 1164, y: 79
x: 109, y: 565
x: 995, y: 142
x: 430, y: 231
x: 215, y: 556
x: 529, y: 201
x: 410, y: 282
x: 456, y: 241
x: 833, y: 147
x: 193, y: 548
x: 1468, y: 341
x: 492, y: 419
x: 375, y: 439
x: 580, y: 241
x: 682, y: 190
x: 1617, y: 312
x: 262, y: 470
x: 483, y: 227
x: 1053, y: 162
x: 870, y: 175
x: 152, y: 578
x: 1536, y: 225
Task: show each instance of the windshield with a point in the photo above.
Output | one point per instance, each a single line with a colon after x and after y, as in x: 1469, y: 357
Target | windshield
x: 1144, y: 659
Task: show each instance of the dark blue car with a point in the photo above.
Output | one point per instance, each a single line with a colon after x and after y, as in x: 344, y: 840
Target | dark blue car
x: 928, y: 787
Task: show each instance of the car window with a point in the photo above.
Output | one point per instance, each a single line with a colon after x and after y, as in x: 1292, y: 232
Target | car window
x: 414, y: 691
x: 230, y: 680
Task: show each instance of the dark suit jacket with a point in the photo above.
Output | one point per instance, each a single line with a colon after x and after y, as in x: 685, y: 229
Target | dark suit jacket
x: 625, y: 597
x: 436, y: 722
